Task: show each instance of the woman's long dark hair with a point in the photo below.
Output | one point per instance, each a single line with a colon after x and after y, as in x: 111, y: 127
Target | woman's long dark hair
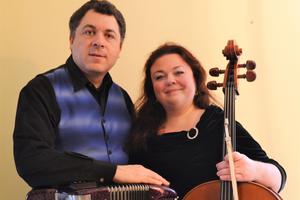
x: 150, y: 113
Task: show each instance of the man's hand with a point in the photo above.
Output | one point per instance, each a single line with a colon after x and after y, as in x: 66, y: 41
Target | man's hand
x: 138, y: 174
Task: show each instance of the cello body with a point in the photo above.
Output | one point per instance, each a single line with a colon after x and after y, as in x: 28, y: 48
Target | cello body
x: 246, y: 190
x: 223, y: 190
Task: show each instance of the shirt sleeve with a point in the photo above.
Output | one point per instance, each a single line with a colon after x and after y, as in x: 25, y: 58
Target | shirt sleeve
x: 36, y: 127
x: 247, y: 145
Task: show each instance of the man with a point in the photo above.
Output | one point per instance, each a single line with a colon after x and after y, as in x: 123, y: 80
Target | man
x: 72, y: 121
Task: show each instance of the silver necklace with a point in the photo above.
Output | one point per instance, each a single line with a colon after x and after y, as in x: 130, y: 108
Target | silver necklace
x: 193, y: 135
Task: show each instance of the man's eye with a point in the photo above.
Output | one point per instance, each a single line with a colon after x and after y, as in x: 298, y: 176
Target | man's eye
x: 110, y: 36
x: 89, y: 32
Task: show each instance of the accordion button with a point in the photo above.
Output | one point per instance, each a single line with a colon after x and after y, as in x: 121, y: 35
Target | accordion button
x: 101, y: 180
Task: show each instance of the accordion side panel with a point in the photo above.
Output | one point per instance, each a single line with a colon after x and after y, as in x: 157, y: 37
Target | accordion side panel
x: 162, y: 193
x: 41, y: 194
x: 101, y: 193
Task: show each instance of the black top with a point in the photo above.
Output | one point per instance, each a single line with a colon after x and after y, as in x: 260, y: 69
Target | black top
x: 187, y: 163
x: 36, y: 127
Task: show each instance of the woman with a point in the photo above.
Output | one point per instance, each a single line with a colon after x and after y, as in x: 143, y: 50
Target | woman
x: 179, y: 131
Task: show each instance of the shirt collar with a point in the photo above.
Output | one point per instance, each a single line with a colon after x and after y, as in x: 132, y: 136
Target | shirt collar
x: 79, y: 80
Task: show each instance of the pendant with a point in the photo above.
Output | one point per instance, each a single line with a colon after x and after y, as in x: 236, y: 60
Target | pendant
x: 193, y: 133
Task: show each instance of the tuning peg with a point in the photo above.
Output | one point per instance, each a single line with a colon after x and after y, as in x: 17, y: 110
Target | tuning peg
x: 216, y: 71
x: 250, y: 65
x: 250, y: 76
x: 213, y: 85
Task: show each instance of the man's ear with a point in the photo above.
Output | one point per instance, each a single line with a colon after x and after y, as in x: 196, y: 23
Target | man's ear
x: 121, y: 45
x: 71, y: 40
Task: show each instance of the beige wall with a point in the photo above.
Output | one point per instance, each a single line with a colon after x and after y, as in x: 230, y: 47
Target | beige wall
x: 34, y: 38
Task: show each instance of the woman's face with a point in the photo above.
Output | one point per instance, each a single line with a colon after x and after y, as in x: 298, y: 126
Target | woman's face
x: 173, y: 82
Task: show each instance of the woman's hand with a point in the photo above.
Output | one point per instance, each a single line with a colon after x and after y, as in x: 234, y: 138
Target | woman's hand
x: 244, y: 168
x: 247, y: 169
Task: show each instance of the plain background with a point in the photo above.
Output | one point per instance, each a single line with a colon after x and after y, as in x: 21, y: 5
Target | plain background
x: 34, y: 38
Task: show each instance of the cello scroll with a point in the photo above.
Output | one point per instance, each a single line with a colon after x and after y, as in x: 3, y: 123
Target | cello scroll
x: 232, y: 53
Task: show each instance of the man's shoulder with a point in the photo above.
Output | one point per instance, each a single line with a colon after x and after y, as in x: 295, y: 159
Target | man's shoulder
x: 124, y: 92
x: 40, y: 82
x: 128, y: 100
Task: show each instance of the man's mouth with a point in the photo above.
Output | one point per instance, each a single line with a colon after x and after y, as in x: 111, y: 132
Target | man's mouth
x: 97, y: 55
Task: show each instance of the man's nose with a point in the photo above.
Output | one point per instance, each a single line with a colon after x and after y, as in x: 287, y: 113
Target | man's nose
x: 98, y: 41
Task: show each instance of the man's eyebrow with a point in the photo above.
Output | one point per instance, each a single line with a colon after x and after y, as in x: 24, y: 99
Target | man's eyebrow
x: 93, y: 27
x: 110, y: 31
x: 88, y: 26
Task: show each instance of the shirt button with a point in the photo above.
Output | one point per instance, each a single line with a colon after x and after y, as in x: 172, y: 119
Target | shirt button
x: 109, y: 152
x: 106, y: 137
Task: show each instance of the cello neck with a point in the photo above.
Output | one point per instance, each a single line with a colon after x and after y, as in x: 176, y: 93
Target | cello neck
x: 230, y: 90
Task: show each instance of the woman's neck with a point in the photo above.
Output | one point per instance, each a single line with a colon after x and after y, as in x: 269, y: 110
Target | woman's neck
x: 183, y: 119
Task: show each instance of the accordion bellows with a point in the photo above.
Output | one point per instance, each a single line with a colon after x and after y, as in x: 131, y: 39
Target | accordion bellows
x: 114, y: 192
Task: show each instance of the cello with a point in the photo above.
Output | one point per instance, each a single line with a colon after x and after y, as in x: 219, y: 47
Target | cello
x: 230, y: 190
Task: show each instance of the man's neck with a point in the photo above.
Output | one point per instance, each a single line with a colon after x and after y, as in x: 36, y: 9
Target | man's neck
x: 96, y: 79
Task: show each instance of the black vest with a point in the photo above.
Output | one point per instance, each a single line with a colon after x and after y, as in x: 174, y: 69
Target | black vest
x: 82, y: 127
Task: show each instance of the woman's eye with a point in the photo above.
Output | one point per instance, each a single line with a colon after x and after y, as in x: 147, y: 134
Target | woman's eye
x: 179, y: 72
x: 158, y: 77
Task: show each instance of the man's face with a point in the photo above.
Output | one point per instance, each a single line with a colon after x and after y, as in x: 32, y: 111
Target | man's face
x: 96, y: 45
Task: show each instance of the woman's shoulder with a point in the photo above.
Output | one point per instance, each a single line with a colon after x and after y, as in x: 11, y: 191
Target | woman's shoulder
x: 212, y: 115
x: 213, y: 111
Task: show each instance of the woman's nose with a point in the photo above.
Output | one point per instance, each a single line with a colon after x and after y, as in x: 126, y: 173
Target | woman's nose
x: 171, y: 81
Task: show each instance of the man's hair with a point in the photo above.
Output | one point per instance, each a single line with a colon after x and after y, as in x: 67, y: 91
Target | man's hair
x: 99, y: 6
